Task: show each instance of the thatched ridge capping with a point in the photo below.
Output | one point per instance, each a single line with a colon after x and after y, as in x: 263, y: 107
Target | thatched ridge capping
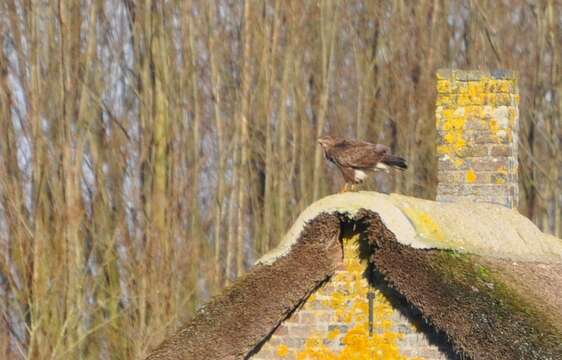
x: 481, y: 314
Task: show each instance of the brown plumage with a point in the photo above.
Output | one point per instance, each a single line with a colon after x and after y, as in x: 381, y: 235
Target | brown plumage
x: 355, y: 158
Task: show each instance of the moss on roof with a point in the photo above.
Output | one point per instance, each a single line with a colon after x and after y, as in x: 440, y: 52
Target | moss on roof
x: 482, y: 314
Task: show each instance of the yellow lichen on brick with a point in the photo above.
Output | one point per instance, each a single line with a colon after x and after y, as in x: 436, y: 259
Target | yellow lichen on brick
x: 503, y: 99
x: 337, y: 300
x: 491, y: 99
x: 494, y: 127
x: 474, y: 111
x: 314, y: 349
x: 333, y: 334
x: 450, y: 137
x: 443, y: 149
x: 470, y: 99
x: 443, y: 100
x: 475, y: 89
x: 453, y: 125
x: 471, y: 176
x: 463, y: 99
x: 282, y: 350
x: 503, y: 86
x: 496, y: 86
x: 443, y: 86
x: 350, y: 302
x: 500, y: 181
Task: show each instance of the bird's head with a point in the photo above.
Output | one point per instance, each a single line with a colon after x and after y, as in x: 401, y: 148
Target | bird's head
x: 327, y: 141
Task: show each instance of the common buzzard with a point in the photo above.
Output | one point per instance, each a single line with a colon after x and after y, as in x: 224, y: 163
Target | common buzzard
x: 356, y: 158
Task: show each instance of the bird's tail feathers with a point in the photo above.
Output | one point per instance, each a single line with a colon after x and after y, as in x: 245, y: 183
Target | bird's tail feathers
x: 395, y: 162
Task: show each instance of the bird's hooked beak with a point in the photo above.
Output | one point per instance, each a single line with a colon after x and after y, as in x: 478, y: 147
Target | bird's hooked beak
x: 325, y: 141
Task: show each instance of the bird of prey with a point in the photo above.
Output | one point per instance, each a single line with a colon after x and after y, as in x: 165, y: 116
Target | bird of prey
x: 355, y: 158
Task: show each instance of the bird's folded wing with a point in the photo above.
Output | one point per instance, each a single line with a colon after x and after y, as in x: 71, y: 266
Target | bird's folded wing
x: 359, y: 155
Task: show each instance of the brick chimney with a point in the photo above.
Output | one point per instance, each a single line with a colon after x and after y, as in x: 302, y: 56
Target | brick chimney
x: 477, y: 120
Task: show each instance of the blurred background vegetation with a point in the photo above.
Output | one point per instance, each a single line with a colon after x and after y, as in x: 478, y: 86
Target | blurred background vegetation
x: 151, y: 150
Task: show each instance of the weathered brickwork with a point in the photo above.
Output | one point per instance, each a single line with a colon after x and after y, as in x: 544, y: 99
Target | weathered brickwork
x: 334, y: 323
x: 477, y: 120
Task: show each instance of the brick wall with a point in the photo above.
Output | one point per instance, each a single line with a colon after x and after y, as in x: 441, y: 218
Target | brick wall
x: 334, y: 323
x: 477, y: 123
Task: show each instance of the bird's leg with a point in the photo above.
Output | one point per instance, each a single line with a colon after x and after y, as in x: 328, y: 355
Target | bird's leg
x: 344, y: 188
x: 353, y: 187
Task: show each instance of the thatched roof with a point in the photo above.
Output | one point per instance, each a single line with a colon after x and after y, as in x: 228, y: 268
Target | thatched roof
x: 483, y: 275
